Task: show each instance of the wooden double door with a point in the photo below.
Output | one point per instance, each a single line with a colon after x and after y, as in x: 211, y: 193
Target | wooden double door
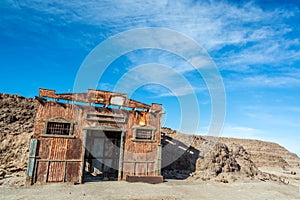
x: 102, y: 155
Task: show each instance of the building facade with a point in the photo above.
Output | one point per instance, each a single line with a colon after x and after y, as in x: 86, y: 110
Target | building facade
x: 94, y: 136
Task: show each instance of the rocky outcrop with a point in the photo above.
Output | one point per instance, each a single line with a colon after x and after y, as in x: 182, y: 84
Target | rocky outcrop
x: 265, y: 154
x: 16, y: 126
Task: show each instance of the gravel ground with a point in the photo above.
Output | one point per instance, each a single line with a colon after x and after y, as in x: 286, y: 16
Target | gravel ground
x: 183, y: 189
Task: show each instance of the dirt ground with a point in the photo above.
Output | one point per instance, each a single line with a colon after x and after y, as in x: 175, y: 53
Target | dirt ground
x: 171, y: 189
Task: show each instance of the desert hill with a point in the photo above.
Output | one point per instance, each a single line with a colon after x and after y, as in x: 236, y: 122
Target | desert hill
x: 265, y: 154
x: 184, y: 156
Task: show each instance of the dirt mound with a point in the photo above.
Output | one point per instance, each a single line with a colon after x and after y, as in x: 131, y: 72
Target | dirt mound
x: 16, y: 126
x: 205, y: 158
x: 219, y: 160
x: 227, y: 165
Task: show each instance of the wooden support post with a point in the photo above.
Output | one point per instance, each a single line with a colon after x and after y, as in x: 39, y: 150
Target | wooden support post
x: 47, y: 171
x: 65, y: 168
x: 159, y: 152
x: 82, y: 157
x: 121, y: 156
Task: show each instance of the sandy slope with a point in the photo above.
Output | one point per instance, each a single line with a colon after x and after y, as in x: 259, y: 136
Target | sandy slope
x: 168, y: 190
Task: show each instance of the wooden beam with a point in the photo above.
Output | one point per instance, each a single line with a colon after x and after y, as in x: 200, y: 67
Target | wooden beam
x: 82, y: 157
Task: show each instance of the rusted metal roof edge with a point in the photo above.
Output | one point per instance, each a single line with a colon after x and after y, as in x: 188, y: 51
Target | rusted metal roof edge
x: 93, y: 96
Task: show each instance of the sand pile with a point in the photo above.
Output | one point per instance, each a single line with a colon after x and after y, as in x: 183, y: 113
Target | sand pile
x: 16, y: 126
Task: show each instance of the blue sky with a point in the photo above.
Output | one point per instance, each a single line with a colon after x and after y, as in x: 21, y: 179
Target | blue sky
x: 254, y: 44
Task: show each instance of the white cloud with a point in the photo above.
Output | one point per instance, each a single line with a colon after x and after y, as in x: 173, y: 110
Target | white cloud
x: 214, y: 24
x: 241, y: 132
x: 263, y: 80
x: 105, y: 86
x: 158, y: 78
x: 270, y: 51
x: 178, y: 91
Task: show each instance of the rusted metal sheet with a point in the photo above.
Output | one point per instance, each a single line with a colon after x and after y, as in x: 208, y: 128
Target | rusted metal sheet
x: 44, y: 148
x: 72, y: 171
x: 41, y: 171
x: 47, y: 93
x: 58, y: 149
x: 56, y: 172
x: 74, y: 148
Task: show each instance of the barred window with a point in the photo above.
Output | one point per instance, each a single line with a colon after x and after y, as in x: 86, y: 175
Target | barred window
x: 143, y: 133
x: 58, y: 128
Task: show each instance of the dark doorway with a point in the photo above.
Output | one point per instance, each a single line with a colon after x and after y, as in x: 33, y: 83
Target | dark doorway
x: 102, y: 155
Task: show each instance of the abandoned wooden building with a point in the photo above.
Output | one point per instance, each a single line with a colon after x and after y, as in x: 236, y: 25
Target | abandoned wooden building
x: 96, y: 135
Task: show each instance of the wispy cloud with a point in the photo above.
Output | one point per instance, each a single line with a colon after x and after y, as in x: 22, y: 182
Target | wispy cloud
x: 275, y: 115
x: 159, y: 91
x: 241, y: 132
x: 159, y: 79
x: 254, y: 35
x: 264, y: 80
x: 279, y: 81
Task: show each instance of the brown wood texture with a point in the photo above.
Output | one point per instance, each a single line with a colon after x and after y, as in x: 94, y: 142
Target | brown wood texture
x: 74, y: 149
x: 72, y: 171
x: 41, y: 171
x: 141, y: 169
x: 44, y: 148
x: 128, y: 169
x: 58, y: 149
x: 51, y: 110
x: 56, y: 172
x: 151, y: 169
